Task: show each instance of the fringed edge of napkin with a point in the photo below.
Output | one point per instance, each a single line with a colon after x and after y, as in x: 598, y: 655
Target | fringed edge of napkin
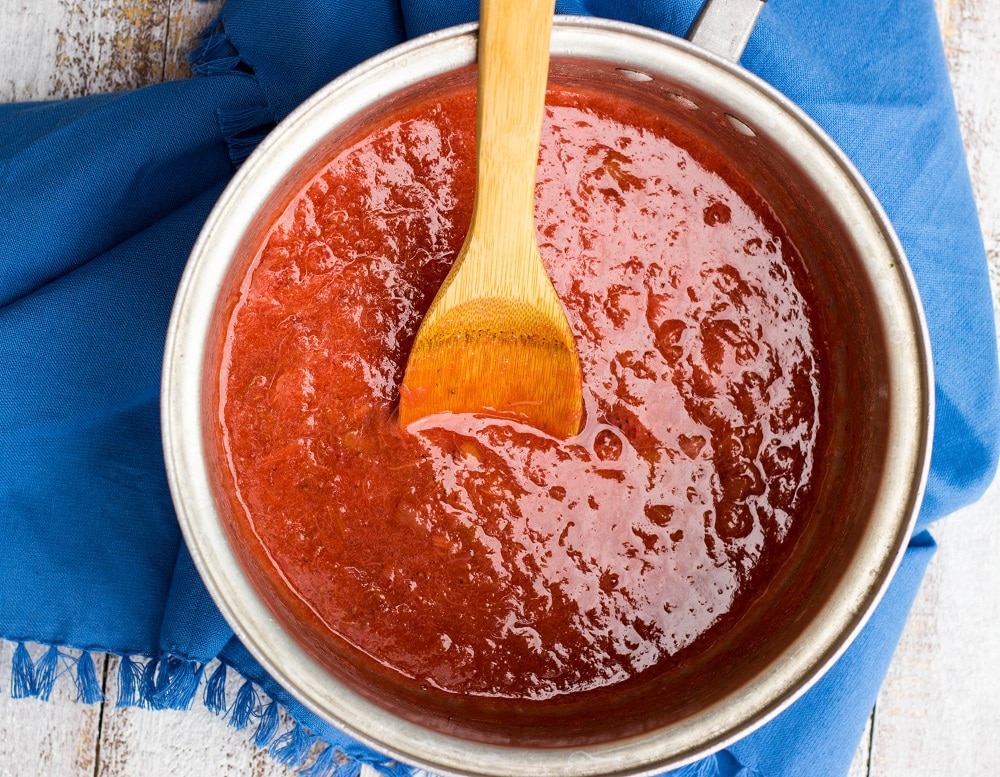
x: 36, y: 678
x: 171, y: 683
x: 242, y: 127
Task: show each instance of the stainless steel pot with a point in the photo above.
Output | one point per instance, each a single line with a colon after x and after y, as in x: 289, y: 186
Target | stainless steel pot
x: 868, y: 500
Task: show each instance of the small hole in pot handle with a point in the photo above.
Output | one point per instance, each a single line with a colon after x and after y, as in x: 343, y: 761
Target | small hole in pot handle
x: 724, y: 26
x: 741, y: 127
x: 684, y: 102
x: 634, y: 75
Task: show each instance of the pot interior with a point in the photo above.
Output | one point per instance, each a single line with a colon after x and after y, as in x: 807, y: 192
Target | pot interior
x: 853, y: 448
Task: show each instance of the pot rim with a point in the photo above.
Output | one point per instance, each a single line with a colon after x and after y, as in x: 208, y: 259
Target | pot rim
x: 753, y: 102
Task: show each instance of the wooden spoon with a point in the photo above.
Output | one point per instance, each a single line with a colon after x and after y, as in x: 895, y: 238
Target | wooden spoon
x: 496, y: 340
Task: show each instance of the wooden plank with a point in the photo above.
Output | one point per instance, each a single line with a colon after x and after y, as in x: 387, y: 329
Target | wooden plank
x: 68, y: 48
x: 41, y: 739
x: 110, y: 45
x: 193, y: 743
x: 971, y: 30
x: 860, y: 764
x: 938, y: 713
x: 167, y: 743
x: 27, y: 48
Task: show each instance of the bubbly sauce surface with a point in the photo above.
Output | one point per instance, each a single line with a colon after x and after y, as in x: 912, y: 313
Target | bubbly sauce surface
x: 477, y: 555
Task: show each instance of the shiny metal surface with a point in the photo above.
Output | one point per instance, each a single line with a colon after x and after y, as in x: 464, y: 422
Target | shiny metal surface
x: 744, y: 107
x: 724, y: 26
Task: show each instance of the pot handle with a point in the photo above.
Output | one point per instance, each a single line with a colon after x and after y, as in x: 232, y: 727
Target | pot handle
x: 724, y: 26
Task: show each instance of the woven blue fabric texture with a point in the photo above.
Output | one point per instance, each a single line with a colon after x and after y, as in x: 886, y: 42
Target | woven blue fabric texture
x: 104, y: 196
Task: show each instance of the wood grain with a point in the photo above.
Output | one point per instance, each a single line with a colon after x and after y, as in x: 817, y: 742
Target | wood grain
x: 159, y: 744
x: 41, y: 739
x: 52, y: 49
x: 496, y: 339
x: 971, y: 31
x: 938, y: 713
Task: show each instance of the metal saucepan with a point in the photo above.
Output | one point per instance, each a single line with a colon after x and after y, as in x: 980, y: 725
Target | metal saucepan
x: 868, y: 501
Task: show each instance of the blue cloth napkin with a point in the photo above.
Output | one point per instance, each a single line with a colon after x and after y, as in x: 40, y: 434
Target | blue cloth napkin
x: 102, y: 199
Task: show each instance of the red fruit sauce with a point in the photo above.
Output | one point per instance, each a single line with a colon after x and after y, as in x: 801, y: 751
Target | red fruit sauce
x: 476, y: 555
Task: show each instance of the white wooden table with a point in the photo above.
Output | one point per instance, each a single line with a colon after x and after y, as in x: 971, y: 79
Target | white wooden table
x: 939, y: 710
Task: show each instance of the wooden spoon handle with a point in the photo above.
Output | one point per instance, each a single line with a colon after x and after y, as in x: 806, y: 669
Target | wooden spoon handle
x: 513, y: 69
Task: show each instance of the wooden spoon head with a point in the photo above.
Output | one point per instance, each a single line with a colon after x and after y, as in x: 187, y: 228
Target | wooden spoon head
x: 495, y: 356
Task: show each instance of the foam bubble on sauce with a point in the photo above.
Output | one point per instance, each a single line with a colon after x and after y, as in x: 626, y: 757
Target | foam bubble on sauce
x: 478, y: 555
